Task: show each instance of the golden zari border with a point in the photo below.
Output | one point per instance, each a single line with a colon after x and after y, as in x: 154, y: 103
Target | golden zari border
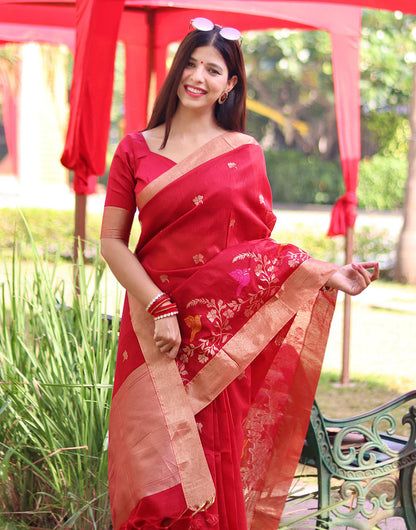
x: 137, y: 469
x: 116, y: 223
x: 177, y: 416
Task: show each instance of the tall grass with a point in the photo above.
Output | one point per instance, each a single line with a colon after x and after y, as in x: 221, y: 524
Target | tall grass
x: 56, y: 370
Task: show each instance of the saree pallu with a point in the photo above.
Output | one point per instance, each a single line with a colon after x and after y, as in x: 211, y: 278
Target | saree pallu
x: 212, y: 439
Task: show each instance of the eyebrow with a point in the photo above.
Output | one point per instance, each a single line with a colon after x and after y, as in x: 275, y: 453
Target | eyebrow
x: 215, y: 65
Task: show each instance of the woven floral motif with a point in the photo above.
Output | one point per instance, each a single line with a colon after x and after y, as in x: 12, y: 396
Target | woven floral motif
x: 256, y: 279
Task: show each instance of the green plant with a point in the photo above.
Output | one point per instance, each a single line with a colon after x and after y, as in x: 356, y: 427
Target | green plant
x: 56, y: 369
x: 382, y: 182
x: 303, y: 179
x: 388, y: 132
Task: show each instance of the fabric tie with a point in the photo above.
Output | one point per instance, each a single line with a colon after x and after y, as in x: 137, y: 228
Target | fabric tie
x: 343, y: 214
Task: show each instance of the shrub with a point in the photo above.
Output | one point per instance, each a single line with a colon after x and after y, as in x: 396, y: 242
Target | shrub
x: 303, y: 179
x: 296, y: 178
x: 382, y: 182
x: 370, y: 244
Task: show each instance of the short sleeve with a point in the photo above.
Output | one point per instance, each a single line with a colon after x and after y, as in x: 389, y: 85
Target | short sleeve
x: 121, y: 181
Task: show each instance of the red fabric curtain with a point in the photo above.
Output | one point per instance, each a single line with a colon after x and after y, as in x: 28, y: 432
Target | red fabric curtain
x: 9, y: 82
x: 134, y: 33
x: 91, y: 90
x: 345, y: 59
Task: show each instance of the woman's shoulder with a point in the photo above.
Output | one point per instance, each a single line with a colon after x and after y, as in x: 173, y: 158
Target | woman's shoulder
x: 237, y: 139
x: 132, y: 147
x: 133, y: 140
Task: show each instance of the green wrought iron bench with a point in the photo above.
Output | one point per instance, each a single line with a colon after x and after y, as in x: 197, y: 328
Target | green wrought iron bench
x: 361, y: 461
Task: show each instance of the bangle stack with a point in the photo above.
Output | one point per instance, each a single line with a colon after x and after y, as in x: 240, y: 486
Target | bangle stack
x: 162, y: 307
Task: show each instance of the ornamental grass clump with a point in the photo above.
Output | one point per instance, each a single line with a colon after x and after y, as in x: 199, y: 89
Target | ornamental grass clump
x: 56, y: 370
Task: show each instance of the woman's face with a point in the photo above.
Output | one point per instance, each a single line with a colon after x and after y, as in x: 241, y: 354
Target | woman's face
x: 204, y: 79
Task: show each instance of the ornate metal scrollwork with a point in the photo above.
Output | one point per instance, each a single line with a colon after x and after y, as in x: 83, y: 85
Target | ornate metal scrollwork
x: 374, y: 465
x: 365, y: 498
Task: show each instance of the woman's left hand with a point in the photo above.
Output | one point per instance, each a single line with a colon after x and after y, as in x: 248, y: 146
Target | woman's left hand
x: 167, y: 336
x: 354, y: 278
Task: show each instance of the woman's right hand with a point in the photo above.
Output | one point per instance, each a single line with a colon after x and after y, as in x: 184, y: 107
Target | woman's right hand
x: 167, y: 336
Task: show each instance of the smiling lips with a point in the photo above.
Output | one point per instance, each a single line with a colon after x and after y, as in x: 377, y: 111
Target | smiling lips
x: 194, y: 91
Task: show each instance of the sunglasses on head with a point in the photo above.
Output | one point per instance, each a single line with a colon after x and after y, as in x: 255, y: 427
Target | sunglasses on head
x: 204, y: 24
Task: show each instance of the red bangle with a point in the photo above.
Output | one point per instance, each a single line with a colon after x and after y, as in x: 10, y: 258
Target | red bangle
x: 162, y: 306
x: 157, y: 302
x: 165, y: 309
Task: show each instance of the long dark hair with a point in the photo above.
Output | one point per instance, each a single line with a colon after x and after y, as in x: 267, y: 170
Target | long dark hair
x: 231, y: 115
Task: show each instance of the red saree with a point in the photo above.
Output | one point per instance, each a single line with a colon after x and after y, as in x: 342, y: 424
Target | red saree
x: 212, y: 439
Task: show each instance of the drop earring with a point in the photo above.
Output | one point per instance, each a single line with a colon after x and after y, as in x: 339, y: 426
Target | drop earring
x: 223, y: 98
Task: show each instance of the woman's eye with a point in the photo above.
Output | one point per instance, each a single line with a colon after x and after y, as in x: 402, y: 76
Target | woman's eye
x: 213, y: 71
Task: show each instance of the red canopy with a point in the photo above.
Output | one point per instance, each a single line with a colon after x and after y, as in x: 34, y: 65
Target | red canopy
x: 146, y: 29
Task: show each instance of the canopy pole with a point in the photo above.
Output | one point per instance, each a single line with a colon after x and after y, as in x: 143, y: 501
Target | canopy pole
x: 79, y: 233
x: 349, y: 253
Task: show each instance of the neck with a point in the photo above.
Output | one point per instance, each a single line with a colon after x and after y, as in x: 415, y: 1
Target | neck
x: 187, y: 123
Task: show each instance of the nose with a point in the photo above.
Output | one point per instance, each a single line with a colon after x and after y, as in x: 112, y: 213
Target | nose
x: 198, y: 73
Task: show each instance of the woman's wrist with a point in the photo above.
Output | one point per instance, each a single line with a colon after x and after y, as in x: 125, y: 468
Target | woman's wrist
x: 162, y: 307
x: 154, y: 300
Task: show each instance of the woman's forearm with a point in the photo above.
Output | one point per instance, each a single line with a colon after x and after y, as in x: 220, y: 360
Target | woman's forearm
x: 128, y: 270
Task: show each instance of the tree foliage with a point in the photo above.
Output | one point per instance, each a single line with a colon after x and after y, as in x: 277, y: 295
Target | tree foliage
x: 387, y: 57
x: 291, y: 71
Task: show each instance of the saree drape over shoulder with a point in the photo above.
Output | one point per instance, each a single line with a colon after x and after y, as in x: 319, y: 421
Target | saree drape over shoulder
x: 211, y: 439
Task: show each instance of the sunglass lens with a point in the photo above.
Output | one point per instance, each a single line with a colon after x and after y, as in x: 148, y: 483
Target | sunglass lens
x: 230, y: 33
x: 202, y: 24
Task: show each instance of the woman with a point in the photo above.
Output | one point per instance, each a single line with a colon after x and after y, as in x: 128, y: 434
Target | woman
x: 223, y: 330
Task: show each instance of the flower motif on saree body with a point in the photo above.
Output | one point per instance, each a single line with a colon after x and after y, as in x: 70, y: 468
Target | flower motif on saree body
x: 125, y: 355
x: 203, y: 358
x: 232, y: 165
x: 199, y: 199
x: 232, y: 223
x: 261, y: 199
x: 220, y: 313
x: 242, y: 276
x: 164, y: 278
x: 199, y: 258
x: 194, y: 323
x: 266, y: 268
x: 296, y: 258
